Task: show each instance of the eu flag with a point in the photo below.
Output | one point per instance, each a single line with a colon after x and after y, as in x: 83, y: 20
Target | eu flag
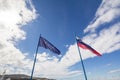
x: 83, y: 45
x: 46, y: 44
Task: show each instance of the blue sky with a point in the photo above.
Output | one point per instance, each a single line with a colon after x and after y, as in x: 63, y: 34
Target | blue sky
x: 96, y: 22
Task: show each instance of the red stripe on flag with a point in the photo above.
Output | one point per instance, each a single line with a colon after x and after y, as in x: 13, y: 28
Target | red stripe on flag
x: 85, y: 46
x: 95, y: 52
x: 82, y: 46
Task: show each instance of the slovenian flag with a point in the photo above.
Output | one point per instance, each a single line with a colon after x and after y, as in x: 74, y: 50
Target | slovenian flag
x: 83, y: 45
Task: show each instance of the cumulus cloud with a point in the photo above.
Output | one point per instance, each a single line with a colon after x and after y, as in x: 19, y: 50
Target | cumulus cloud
x: 13, y: 14
x: 106, y: 13
x: 51, y: 67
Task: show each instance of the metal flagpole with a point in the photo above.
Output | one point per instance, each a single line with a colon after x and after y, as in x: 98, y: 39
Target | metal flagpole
x: 34, y: 60
x: 82, y: 62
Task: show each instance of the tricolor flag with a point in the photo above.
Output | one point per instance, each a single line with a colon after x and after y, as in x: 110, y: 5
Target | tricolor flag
x: 46, y: 44
x: 83, y: 45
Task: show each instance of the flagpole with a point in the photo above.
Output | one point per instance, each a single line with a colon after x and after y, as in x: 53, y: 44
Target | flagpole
x: 82, y: 62
x: 35, y: 60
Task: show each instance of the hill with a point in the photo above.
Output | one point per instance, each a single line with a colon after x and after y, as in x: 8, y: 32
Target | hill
x: 20, y: 77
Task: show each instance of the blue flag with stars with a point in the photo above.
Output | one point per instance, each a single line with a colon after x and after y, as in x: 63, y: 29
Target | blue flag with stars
x: 47, y: 45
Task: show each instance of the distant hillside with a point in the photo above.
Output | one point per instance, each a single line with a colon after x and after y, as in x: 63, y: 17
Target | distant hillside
x: 20, y: 77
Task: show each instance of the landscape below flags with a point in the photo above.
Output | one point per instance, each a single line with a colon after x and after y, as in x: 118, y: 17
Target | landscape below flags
x: 83, y: 45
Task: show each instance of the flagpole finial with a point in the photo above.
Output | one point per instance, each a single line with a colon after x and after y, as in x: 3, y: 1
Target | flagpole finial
x: 77, y: 37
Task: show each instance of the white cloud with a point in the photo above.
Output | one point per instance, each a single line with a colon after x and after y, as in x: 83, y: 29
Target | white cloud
x: 109, y: 64
x: 110, y: 35
x: 13, y: 14
x: 106, y: 13
x: 66, y: 46
x: 51, y: 67
x: 114, y: 71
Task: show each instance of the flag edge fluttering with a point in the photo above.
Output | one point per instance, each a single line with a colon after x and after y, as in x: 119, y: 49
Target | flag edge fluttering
x: 83, y: 45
